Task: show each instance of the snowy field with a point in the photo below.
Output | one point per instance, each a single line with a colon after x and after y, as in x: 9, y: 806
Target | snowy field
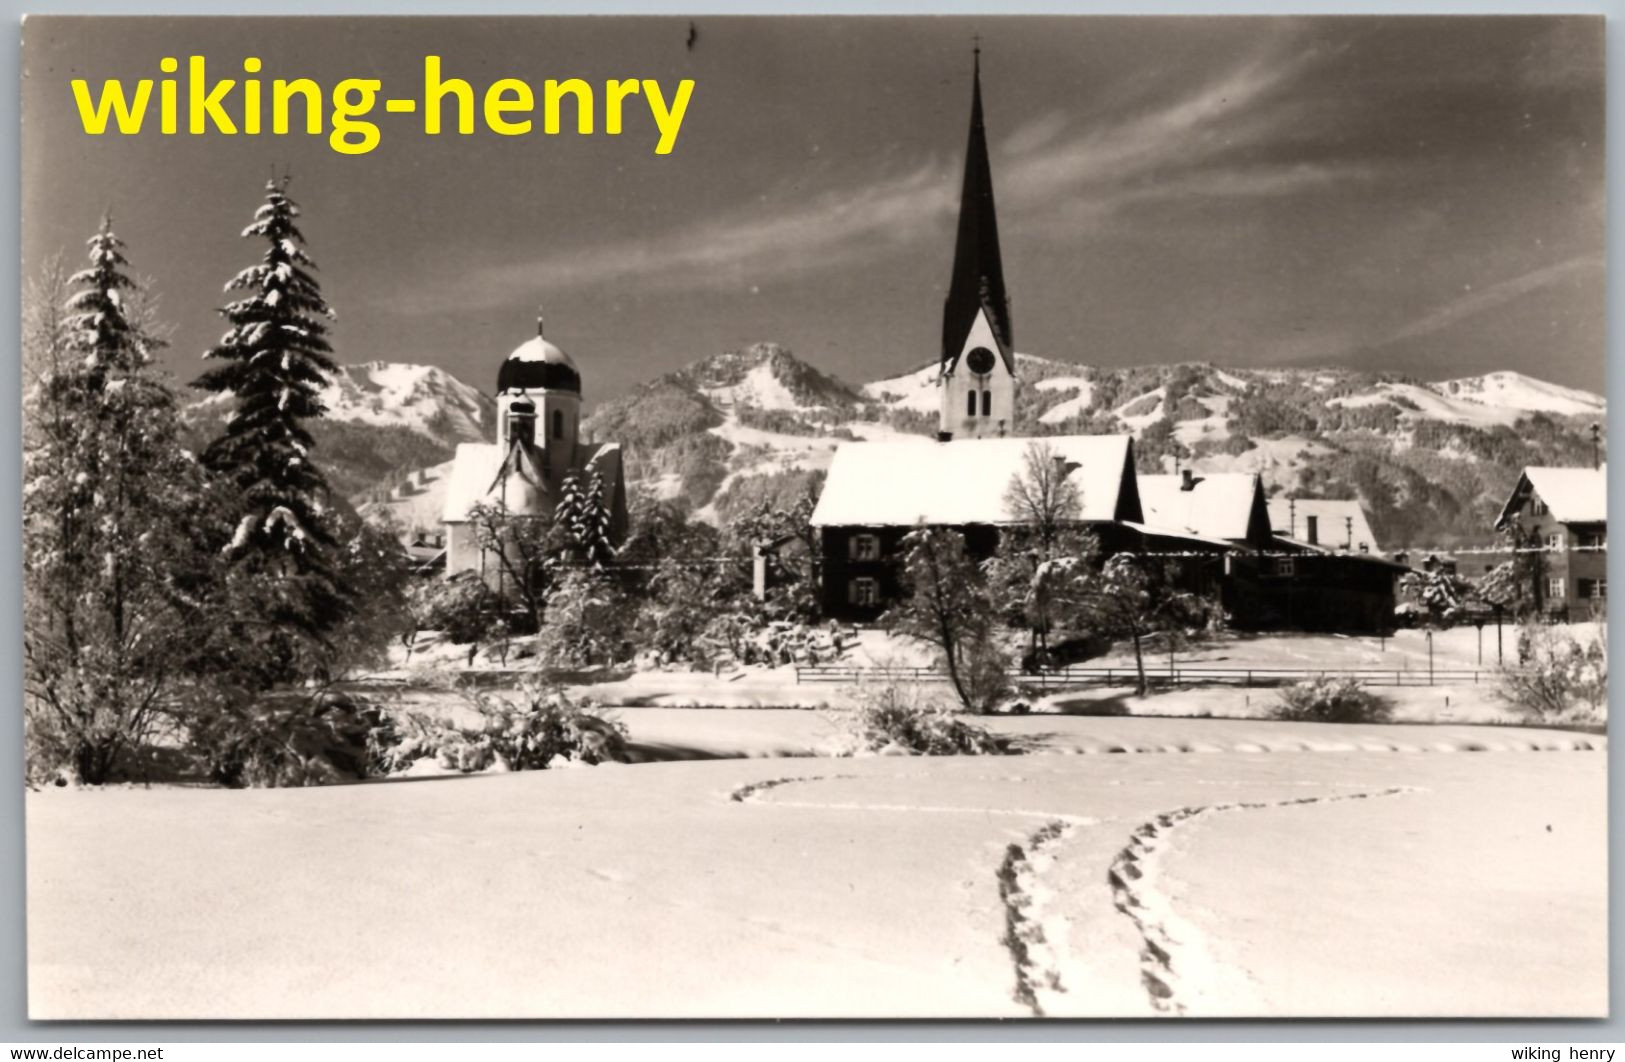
x: 1187, y: 867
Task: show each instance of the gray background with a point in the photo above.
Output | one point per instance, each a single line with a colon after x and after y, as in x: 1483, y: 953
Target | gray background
x: 14, y: 1025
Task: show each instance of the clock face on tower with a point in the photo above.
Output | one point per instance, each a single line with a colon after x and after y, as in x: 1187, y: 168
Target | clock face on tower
x: 980, y: 361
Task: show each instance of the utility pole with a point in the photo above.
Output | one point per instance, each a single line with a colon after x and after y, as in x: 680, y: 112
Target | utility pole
x: 1596, y: 445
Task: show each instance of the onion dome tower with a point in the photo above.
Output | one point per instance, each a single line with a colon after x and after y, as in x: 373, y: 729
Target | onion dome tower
x: 539, y: 400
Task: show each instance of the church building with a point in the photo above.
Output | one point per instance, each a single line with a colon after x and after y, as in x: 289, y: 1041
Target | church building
x: 538, y: 448
x: 876, y: 492
x: 1217, y: 525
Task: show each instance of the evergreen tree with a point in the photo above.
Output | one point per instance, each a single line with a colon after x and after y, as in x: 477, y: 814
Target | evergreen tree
x: 111, y: 512
x: 273, y: 360
x: 585, y: 518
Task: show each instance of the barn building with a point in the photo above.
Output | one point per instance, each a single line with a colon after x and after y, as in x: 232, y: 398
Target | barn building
x: 537, y: 449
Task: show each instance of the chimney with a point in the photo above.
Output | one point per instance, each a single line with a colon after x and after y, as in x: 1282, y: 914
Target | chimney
x: 1312, y: 524
x: 1186, y: 480
x: 540, y: 320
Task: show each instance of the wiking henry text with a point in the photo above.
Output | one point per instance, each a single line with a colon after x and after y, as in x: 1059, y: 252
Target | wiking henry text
x: 199, y: 104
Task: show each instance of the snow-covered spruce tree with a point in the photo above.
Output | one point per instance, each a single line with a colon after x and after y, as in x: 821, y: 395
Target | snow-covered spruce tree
x: 112, y: 506
x: 273, y: 360
x: 585, y: 518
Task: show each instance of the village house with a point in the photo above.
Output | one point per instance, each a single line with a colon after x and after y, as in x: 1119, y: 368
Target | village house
x: 1563, y: 514
x: 1272, y: 579
x: 538, y: 448
x: 880, y: 491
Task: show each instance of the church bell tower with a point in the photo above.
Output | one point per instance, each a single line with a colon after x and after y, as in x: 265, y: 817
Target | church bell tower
x: 977, y: 375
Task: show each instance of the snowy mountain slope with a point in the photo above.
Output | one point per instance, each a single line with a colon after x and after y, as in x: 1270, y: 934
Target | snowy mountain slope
x: 1431, y: 460
x: 421, y: 398
x: 415, y: 503
x: 1515, y: 391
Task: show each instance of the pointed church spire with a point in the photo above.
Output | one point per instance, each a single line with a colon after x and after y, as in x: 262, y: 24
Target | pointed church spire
x: 978, y: 274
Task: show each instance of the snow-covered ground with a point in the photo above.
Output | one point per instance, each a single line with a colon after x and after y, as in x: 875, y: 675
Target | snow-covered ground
x: 1514, y: 390
x: 759, y: 388
x: 1314, y: 882
x: 1083, y: 394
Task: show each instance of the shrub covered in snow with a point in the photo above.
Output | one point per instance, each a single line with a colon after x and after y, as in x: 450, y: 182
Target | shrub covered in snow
x: 1332, y: 700
x: 524, y: 734
x: 287, y: 740
x: 461, y: 607
x: 1561, y: 679
x: 896, y: 718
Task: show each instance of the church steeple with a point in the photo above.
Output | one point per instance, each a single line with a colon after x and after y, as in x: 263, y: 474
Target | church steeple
x: 977, y: 376
x: 978, y: 274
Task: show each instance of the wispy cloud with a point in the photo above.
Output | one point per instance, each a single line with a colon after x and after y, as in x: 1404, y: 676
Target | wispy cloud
x: 1178, y: 148
x: 1474, y: 302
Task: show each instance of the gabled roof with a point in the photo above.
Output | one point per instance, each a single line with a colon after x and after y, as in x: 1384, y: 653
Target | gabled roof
x: 1225, y: 505
x: 1340, y: 522
x: 480, y: 471
x: 1574, y: 495
x: 907, y: 482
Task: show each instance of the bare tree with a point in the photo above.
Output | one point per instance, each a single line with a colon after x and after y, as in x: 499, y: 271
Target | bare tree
x: 526, y: 550
x: 1042, y: 496
x: 947, y: 605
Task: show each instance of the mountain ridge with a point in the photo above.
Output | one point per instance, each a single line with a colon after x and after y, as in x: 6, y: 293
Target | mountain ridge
x: 1431, y: 460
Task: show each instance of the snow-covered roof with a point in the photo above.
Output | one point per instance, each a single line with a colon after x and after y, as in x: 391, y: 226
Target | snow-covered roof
x: 907, y: 482
x: 537, y: 348
x: 1574, y: 495
x: 1218, y: 505
x: 537, y: 364
x: 1169, y: 534
x: 1298, y: 545
x: 1333, y: 527
x: 476, y: 469
x: 473, y: 472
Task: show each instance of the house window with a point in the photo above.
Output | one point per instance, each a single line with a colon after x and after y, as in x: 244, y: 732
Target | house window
x: 1365, y: 547
x: 970, y: 403
x: 1554, y: 541
x: 987, y: 403
x: 1286, y: 566
x: 1592, y: 589
x: 558, y: 424
x: 1591, y: 540
x: 863, y: 591
x: 1537, y: 507
x: 865, y: 548
x: 1554, y: 586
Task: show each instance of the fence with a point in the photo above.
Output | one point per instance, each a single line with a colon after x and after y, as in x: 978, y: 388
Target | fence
x: 1165, y: 676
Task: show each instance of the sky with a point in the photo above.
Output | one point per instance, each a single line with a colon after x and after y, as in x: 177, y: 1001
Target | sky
x: 1420, y: 195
